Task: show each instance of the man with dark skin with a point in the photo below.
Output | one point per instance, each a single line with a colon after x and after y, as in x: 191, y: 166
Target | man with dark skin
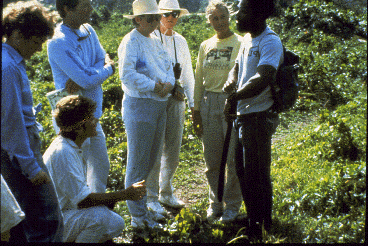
x: 249, y: 88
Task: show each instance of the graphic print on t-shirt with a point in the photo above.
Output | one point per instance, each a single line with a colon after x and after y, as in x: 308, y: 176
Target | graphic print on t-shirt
x: 218, y: 58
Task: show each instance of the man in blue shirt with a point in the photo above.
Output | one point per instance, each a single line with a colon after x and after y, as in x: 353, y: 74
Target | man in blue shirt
x: 26, y: 26
x: 79, y: 63
x: 257, y: 63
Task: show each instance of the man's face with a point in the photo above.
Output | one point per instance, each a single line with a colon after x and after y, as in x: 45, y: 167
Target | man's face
x: 30, y: 46
x: 246, y: 20
x: 82, y: 12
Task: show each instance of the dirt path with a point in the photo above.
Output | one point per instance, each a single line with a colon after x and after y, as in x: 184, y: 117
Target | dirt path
x: 195, y: 190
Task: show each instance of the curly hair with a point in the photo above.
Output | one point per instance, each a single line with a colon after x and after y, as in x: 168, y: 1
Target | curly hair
x: 71, y: 112
x: 31, y: 18
x: 263, y: 8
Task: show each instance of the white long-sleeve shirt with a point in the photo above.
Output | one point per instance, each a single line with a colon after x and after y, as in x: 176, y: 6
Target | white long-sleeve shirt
x: 143, y: 62
x: 186, y: 79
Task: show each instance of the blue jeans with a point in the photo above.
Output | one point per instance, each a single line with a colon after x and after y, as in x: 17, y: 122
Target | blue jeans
x: 144, y: 121
x: 43, y: 221
x: 253, y: 157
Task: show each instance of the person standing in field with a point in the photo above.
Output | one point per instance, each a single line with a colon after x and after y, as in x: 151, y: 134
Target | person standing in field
x: 147, y: 77
x: 159, y: 183
x: 250, y: 92
x: 216, y: 57
x: 87, y: 218
x: 25, y: 26
x: 79, y: 63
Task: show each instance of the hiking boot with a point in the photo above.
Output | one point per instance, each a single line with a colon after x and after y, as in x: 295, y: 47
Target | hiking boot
x: 229, y: 216
x: 156, y: 206
x: 213, y: 214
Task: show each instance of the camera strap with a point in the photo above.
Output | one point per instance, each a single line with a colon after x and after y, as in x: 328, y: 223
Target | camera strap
x: 176, y: 58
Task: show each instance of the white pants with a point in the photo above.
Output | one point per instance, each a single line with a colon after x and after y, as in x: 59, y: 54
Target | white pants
x: 95, y: 154
x: 91, y: 225
x: 214, y: 131
x: 160, y: 178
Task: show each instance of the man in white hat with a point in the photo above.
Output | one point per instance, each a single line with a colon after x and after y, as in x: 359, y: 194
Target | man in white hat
x: 159, y: 183
x: 147, y: 77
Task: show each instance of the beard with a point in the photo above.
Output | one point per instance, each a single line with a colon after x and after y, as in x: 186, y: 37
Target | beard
x: 248, y: 26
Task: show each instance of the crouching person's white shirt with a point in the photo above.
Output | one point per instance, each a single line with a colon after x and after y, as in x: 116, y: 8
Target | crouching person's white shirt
x: 64, y: 160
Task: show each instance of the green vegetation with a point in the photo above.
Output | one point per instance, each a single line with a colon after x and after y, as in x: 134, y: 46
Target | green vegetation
x: 318, y: 169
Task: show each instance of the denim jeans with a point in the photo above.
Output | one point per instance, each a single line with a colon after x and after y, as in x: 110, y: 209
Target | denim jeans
x: 43, y: 221
x: 144, y: 121
x: 253, y: 157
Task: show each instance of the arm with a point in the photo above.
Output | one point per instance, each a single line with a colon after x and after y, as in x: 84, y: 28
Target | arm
x: 265, y: 75
x: 134, y: 192
x: 198, y: 94
x: 128, y: 65
x: 187, y: 77
x: 67, y: 59
x: 14, y: 136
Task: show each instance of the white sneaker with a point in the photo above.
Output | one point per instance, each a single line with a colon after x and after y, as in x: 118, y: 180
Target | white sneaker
x: 171, y: 201
x: 142, y: 221
x: 229, y: 216
x: 156, y: 206
x: 213, y: 214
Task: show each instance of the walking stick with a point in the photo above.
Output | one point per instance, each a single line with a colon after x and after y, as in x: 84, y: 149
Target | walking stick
x: 225, y: 150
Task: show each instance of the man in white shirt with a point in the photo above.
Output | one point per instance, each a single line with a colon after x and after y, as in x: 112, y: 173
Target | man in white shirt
x: 87, y: 218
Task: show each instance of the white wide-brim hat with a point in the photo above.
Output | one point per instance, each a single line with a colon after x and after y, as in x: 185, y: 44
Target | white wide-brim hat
x: 172, y: 5
x: 145, y: 7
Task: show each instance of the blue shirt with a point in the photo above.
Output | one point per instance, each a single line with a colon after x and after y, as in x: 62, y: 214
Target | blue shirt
x: 82, y: 61
x: 17, y: 111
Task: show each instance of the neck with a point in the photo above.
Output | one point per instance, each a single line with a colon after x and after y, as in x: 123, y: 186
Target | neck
x: 223, y: 35
x: 71, y: 24
x: 258, y: 31
x: 80, y: 140
x: 144, y: 33
x: 164, y: 30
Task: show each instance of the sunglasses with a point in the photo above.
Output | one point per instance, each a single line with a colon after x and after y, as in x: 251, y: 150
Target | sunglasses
x: 174, y: 14
x: 152, y: 18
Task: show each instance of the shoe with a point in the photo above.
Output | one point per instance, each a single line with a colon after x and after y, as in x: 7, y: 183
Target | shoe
x: 156, y: 206
x: 213, y: 214
x: 229, y: 216
x: 171, y: 201
x: 156, y: 216
x: 144, y: 221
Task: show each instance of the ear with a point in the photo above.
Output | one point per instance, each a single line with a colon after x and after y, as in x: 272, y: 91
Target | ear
x: 66, y: 10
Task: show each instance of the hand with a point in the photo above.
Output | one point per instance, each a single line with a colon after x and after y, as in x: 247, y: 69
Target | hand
x: 230, y: 109
x: 229, y: 87
x: 162, y: 89
x: 40, y: 178
x: 197, y: 123
x: 136, y: 191
x: 109, y: 61
x: 72, y: 87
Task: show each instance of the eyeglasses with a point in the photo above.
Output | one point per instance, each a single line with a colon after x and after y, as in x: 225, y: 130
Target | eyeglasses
x: 81, y: 38
x: 152, y: 18
x: 174, y: 14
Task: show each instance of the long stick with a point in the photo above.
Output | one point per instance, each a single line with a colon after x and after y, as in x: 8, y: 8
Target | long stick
x: 225, y: 150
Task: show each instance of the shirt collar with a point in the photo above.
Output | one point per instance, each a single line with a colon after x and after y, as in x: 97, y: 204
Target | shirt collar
x: 70, y: 142
x: 13, y: 53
